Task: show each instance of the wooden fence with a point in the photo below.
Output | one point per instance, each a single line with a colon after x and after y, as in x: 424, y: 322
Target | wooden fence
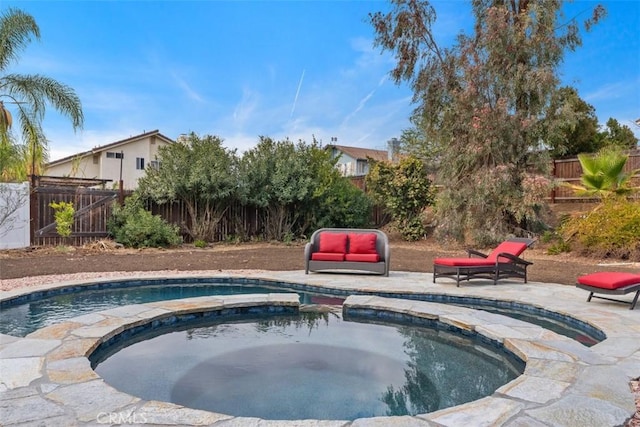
x: 94, y: 206
x: 569, y: 171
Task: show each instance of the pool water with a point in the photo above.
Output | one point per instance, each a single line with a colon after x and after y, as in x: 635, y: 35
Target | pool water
x: 315, y: 365
x: 20, y: 320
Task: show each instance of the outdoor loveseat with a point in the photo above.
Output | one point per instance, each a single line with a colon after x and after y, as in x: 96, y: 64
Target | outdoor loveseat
x: 331, y: 249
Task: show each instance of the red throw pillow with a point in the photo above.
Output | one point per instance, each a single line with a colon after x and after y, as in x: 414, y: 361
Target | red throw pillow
x: 333, y: 242
x: 362, y: 243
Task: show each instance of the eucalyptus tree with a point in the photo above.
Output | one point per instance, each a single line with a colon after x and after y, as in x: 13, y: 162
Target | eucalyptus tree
x: 482, y: 101
x: 27, y: 95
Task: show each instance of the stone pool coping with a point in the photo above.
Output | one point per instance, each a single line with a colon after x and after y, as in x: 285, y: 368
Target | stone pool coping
x: 46, y: 377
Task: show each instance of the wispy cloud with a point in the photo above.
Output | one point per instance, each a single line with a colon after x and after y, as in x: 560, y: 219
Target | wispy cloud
x: 609, y: 91
x: 295, y: 100
x: 364, y: 101
x: 244, y: 109
x: 189, y: 92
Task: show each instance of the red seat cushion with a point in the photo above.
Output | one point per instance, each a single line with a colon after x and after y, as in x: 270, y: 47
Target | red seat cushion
x: 609, y: 279
x: 327, y: 256
x: 464, y: 262
x: 333, y: 243
x: 362, y: 243
x: 513, y: 248
x: 362, y: 257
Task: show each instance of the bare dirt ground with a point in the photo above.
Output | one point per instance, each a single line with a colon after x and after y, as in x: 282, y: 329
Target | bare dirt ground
x: 415, y: 257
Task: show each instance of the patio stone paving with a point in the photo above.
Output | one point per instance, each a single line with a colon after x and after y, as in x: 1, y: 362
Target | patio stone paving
x: 46, y: 379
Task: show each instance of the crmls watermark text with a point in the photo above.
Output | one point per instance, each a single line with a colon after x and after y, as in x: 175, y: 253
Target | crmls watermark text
x: 120, y: 418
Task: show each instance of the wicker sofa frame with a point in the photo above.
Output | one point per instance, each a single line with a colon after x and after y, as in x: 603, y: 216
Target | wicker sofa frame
x: 382, y: 248
x: 515, y: 267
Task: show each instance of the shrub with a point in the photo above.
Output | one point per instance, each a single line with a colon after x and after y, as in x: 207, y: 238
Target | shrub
x: 135, y: 227
x: 199, y: 243
x: 612, y: 229
x: 63, y: 213
x: 405, y: 191
x: 343, y: 205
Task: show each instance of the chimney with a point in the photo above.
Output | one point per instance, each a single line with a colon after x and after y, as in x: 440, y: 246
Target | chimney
x: 393, y: 149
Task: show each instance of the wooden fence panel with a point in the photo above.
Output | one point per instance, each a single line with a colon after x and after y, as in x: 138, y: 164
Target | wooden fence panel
x: 569, y: 171
x: 92, y: 206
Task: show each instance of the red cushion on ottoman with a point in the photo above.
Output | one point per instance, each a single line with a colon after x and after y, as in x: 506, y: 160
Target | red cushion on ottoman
x: 464, y: 262
x: 333, y: 242
x: 362, y: 243
x: 609, y: 279
x: 327, y: 256
x: 362, y: 257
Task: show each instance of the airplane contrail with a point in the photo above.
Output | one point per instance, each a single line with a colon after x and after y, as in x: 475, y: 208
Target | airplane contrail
x: 295, y: 100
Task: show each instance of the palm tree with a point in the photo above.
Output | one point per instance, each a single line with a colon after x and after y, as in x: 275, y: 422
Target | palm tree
x: 603, y: 175
x: 30, y: 94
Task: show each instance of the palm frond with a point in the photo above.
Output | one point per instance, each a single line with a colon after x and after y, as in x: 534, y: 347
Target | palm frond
x: 16, y: 30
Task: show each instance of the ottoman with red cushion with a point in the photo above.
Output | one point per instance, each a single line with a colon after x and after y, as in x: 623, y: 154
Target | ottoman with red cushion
x: 612, y: 283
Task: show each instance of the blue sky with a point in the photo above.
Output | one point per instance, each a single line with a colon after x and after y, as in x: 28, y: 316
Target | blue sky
x: 241, y: 69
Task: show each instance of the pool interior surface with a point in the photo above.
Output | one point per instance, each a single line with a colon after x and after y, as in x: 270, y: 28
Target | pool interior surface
x: 315, y: 365
x: 23, y: 317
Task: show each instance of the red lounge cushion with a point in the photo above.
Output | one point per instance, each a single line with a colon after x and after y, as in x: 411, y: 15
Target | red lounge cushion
x: 327, y: 256
x: 513, y: 248
x: 333, y: 242
x: 609, y: 279
x: 362, y: 243
x: 362, y: 257
x: 464, y: 262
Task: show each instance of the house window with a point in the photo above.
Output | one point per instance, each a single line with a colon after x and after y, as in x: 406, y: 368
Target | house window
x: 154, y: 164
x: 114, y: 155
x: 140, y: 163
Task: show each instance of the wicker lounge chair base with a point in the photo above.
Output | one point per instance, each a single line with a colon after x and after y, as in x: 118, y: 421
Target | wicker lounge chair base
x: 611, y: 283
x: 503, y: 263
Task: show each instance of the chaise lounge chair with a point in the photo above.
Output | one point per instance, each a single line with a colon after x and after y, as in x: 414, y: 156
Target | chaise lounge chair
x: 503, y: 262
x: 611, y: 283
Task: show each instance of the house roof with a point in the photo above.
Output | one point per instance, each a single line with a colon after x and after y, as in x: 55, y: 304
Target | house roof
x: 113, y: 145
x: 362, y: 153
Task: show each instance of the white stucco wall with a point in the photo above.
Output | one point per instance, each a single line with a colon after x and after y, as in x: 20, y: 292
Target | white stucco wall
x: 14, y: 215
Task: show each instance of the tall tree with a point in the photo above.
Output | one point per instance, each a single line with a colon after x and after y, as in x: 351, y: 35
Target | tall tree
x: 286, y: 181
x: 199, y: 172
x: 483, y: 101
x: 576, y: 130
x: 617, y: 135
x: 28, y: 95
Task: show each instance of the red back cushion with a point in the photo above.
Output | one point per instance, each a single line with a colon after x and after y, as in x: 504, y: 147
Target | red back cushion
x: 362, y: 243
x: 333, y: 242
x: 513, y: 248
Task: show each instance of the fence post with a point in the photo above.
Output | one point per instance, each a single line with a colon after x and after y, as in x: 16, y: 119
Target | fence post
x: 553, y: 190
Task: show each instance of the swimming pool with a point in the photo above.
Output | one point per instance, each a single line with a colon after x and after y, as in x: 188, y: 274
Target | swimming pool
x: 24, y: 314
x: 315, y: 365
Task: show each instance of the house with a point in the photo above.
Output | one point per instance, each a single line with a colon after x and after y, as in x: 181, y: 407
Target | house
x: 121, y: 160
x: 354, y: 161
